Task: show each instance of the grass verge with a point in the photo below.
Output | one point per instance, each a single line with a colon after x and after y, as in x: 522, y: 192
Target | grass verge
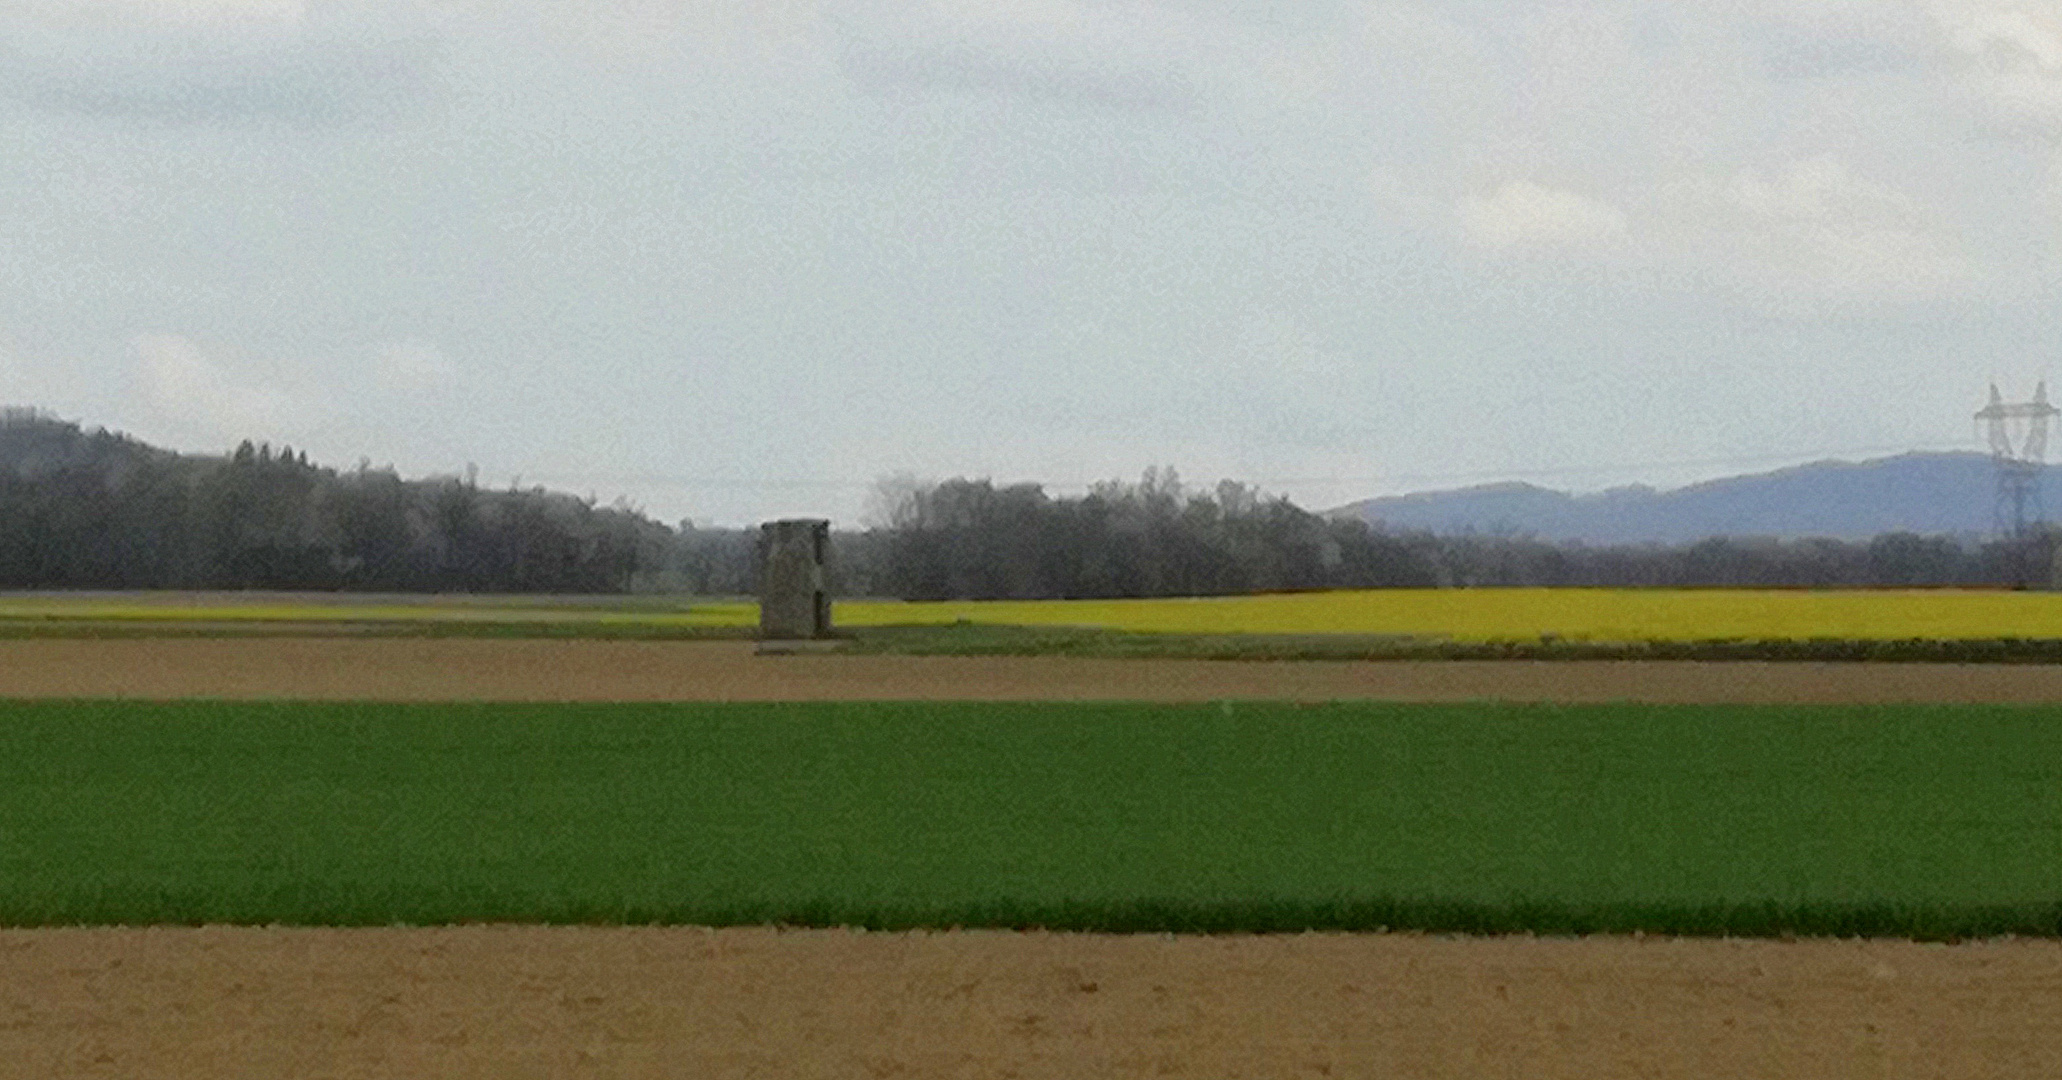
x: 91, y: 629
x: 974, y: 639
x: 1920, y: 822
x: 311, y: 906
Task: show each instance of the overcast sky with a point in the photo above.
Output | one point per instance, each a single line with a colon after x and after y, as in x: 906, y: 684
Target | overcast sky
x: 738, y: 258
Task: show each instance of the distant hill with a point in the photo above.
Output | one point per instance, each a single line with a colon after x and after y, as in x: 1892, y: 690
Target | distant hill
x: 1928, y: 493
x: 35, y: 444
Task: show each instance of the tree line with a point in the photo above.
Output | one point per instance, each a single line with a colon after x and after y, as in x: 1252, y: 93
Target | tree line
x: 91, y: 509
x: 970, y: 539
x: 97, y: 510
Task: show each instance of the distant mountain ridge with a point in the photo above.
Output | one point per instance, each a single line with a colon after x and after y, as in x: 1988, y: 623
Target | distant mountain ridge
x: 1931, y: 493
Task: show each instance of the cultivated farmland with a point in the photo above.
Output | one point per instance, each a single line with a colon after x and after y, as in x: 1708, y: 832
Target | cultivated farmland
x: 363, y: 780
x: 1928, y: 822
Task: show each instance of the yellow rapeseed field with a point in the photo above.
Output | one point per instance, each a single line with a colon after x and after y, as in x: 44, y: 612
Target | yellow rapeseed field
x: 1465, y: 615
x: 1601, y: 615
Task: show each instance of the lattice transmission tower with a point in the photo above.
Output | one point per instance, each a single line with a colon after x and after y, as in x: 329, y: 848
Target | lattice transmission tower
x: 2018, y: 448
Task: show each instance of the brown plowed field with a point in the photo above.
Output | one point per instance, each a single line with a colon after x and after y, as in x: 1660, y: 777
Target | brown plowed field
x: 391, y: 669
x: 641, y: 1002
x: 511, y: 1003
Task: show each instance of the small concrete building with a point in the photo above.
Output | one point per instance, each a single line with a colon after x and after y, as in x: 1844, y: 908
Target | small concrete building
x: 794, y: 591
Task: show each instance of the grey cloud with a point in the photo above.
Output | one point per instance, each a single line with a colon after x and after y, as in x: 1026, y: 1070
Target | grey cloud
x: 1073, y: 53
x: 1792, y: 55
x: 966, y: 70
x: 186, y: 75
x: 1794, y: 41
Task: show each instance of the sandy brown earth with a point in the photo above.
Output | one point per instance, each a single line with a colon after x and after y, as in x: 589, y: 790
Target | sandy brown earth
x: 534, y: 670
x: 530, y: 1002
x: 535, y: 1002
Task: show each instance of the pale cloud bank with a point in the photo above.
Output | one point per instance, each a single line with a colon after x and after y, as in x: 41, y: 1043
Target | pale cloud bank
x: 1812, y: 232
x: 194, y: 396
x: 2011, y: 61
x: 1523, y: 215
x: 413, y: 366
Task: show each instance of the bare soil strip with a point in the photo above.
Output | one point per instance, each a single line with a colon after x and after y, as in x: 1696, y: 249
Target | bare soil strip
x: 532, y: 670
x: 508, y: 1002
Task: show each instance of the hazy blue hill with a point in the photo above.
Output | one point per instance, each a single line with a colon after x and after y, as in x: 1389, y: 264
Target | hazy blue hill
x: 1919, y: 492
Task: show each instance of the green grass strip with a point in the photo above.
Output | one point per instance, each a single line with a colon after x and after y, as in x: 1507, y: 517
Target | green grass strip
x: 576, y: 630
x: 1920, y: 822
x: 974, y: 639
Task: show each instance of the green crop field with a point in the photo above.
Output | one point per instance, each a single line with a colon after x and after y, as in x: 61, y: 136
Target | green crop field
x: 1928, y: 822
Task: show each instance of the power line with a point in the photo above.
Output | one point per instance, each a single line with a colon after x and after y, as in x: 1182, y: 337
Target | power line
x: 665, y: 480
x: 683, y: 481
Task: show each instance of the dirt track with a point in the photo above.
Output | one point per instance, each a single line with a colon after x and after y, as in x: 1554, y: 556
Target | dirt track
x: 514, y: 670
x: 528, y: 1002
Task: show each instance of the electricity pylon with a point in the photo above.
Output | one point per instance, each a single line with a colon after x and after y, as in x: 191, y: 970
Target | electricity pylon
x: 2018, y: 447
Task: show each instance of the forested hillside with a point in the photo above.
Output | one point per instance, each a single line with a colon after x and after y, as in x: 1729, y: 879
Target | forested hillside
x: 97, y: 510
